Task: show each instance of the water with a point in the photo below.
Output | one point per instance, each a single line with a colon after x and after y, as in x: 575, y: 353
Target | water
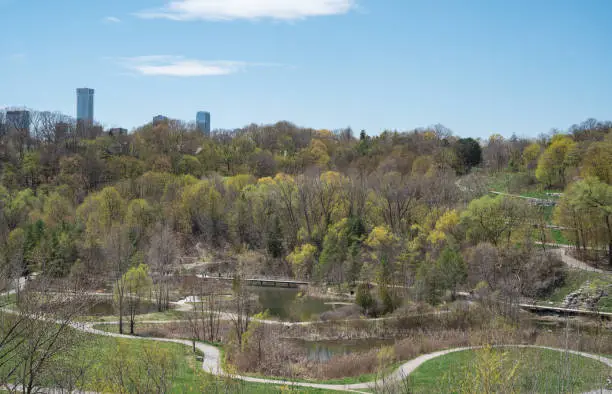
x: 323, y: 351
x: 287, y: 305
x: 106, y: 308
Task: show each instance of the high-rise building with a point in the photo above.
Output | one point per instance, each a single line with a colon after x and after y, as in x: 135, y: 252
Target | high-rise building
x: 85, y: 105
x: 159, y: 119
x: 18, y: 120
x: 203, y: 122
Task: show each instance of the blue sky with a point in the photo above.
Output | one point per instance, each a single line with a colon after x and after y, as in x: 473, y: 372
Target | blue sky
x: 476, y: 66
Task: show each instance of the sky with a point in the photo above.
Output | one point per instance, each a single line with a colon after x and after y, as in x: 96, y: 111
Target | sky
x: 476, y: 66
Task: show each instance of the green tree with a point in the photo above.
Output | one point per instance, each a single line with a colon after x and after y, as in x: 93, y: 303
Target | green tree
x: 530, y: 157
x: 557, y: 159
x: 598, y: 160
x: 492, y: 219
x: 275, y: 239
x: 189, y: 165
x: 303, y: 259
x: 586, y: 206
x: 137, y: 282
x: 139, y: 218
x: 364, y: 298
x: 469, y: 154
x: 334, y: 253
x: 452, y: 270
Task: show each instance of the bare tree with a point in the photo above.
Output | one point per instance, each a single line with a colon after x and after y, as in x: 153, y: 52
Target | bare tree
x: 33, y: 334
x: 398, y: 195
x: 162, y: 257
x: 205, y: 318
x: 118, y: 250
x: 242, y: 308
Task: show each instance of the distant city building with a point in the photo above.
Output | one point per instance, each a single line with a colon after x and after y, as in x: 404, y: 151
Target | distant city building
x: 117, y: 131
x: 159, y: 119
x: 203, y: 122
x: 18, y: 120
x: 61, y: 130
x: 85, y: 105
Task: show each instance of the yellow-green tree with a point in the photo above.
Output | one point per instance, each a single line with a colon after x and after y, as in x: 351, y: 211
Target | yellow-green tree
x: 384, y: 245
x: 99, y: 212
x: 493, y: 219
x: 586, y: 209
x: 446, y: 226
x: 139, y: 217
x: 137, y: 283
x: 303, y: 259
x: 555, y: 162
x: 530, y: 157
x: 598, y: 160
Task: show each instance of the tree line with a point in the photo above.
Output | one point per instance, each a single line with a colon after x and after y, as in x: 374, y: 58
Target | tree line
x: 401, y: 208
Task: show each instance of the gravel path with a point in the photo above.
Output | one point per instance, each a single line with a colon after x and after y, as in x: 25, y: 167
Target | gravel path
x: 561, y: 251
x: 574, y: 263
x: 212, y: 362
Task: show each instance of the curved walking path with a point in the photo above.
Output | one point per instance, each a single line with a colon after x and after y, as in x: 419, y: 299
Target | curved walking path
x: 573, y: 262
x: 561, y: 251
x: 212, y: 362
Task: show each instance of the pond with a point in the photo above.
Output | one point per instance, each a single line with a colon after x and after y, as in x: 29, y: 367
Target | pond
x: 105, y: 307
x: 323, y: 351
x: 289, y: 305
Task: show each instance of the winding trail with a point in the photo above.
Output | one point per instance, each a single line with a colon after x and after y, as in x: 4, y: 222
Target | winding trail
x: 212, y: 362
x: 572, y: 262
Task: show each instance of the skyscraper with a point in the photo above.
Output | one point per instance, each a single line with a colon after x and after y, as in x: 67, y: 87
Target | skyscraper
x: 203, y: 122
x: 85, y: 105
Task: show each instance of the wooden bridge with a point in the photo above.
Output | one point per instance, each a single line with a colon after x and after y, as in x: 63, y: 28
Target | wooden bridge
x: 263, y: 282
x: 542, y: 309
x: 546, y: 309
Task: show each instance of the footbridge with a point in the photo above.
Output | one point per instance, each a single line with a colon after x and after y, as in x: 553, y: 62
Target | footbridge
x: 263, y: 281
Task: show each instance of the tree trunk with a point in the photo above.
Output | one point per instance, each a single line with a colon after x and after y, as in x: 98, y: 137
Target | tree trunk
x: 609, y: 225
x: 120, y: 314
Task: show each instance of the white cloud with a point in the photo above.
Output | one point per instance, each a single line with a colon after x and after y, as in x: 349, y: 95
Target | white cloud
x: 178, y: 66
x: 112, y: 19
x: 181, y: 10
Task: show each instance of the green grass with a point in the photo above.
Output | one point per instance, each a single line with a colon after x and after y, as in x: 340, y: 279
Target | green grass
x: 103, y: 359
x: 347, y: 380
x: 537, y: 370
x: 104, y: 354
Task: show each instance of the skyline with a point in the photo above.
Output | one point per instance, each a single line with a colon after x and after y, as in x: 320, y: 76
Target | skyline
x: 477, y: 67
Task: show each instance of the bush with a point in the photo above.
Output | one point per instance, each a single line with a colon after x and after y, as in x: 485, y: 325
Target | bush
x: 364, y: 298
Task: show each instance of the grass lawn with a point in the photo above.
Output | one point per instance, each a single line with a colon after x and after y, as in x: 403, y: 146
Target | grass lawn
x: 348, y: 380
x: 110, y: 355
x: 536, y: 371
